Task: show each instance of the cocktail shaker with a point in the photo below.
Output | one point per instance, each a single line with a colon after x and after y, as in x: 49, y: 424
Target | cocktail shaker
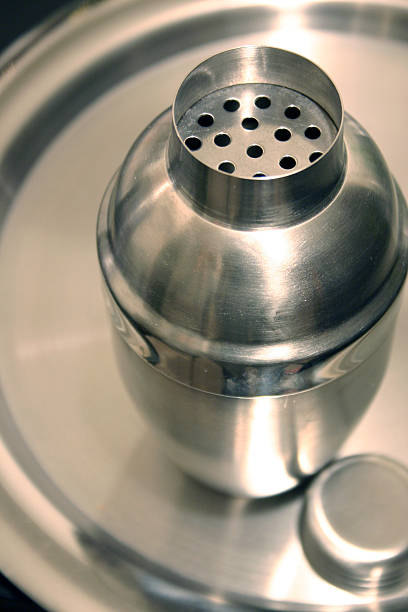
x: 253, y: 245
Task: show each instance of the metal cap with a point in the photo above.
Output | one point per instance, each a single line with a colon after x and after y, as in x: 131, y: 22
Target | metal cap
x: 355, y: 529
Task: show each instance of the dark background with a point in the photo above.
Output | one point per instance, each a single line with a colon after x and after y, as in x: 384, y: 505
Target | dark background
x: 18, y: 17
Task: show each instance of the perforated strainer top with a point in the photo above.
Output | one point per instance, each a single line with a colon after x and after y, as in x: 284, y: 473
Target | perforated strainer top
x: 256, y: 130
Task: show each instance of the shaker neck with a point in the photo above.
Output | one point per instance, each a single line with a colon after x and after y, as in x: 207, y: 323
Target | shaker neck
x: 271, y: 200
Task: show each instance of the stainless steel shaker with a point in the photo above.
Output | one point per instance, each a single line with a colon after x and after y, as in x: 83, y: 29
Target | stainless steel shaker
x: 253, y: 247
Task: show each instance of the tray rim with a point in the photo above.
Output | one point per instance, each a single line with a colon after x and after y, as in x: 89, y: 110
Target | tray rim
x: 12, y: 59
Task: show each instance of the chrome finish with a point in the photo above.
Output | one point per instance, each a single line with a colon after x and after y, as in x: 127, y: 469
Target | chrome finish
x: 355, y: 525
x: 92, y: 516
x: 258, y: 446
x: 266, y: 299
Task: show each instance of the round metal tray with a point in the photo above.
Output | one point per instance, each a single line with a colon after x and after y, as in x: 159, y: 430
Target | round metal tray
x: 92, y: 517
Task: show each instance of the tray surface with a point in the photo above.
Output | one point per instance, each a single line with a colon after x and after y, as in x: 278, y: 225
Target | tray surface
x: 92, y: 516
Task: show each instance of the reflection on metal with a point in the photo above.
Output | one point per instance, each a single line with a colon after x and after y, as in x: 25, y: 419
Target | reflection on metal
x: 355, y: 525
x: 92, y: 516
x: 253, y: 248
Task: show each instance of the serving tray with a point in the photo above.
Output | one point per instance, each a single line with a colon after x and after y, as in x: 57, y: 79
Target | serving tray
x: 92, y: 516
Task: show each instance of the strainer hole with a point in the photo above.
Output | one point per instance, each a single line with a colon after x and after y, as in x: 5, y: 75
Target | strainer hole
x: 315, y: 155
x: 254, y: 151
x: 205, y: 120
x: 231, y: 105
x: 292, y: 112
x: 249, y: 123
x: 262, y: 102
x: 222, y: 140
x: 193, y: 143
x: 312, y: 132
x: 287, y: 162
x: 258, y: 175
x: 282, y: 134
x: 226, y: 166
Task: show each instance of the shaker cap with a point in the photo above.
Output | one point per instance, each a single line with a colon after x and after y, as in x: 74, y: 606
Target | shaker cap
x: 355, y: 528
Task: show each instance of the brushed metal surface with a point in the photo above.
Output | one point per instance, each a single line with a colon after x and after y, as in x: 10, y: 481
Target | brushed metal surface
x: 354, y: 528
x: 272, y: 302
x: 92, y: 517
